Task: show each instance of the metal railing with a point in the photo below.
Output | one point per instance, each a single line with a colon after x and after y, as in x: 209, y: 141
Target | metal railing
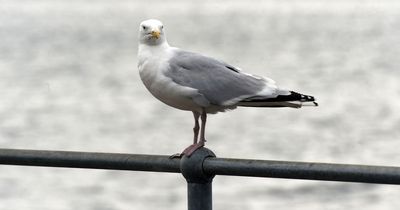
x: 200, y: 169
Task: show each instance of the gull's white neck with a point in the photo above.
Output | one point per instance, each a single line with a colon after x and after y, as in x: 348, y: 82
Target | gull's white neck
x: 146, y: 51
x: 143, y: 48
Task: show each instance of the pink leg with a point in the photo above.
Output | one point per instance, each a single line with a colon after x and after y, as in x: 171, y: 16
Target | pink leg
x: 196, y: 127
x: 196, y: 145
x: 203, y: 128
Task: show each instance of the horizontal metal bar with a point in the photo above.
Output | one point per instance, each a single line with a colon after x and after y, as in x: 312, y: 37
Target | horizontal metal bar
x: 303, y: 170
x: 114, y: 161
x: 214, y: 166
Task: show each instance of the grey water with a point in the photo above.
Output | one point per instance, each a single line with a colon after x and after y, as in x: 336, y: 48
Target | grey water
x: 69, y: 81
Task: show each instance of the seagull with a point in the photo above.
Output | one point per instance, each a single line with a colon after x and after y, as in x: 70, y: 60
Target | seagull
x: 203, y: 85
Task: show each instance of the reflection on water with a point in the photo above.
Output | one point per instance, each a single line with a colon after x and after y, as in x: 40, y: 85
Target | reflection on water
x: 69, y: 82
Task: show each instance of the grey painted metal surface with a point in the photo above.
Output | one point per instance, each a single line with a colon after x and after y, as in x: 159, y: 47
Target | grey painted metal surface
x: 199, y: 182
x: 304, y: 170
x: 113, y: 161
x: 214, y: 166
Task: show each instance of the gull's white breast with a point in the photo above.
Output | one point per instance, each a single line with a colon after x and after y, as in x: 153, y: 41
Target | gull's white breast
x: 153, y: 61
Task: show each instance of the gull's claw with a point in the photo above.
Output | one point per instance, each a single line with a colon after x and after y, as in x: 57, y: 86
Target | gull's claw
x: 176, y: 155
x: 192, y: 148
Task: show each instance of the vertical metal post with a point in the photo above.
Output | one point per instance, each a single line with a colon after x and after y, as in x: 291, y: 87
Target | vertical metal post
x: 199, y: 183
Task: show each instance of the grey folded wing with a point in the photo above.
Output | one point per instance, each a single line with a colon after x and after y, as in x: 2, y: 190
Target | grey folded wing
x: 218, y: 82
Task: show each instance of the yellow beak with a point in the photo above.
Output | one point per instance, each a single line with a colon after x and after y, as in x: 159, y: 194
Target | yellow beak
x: 155, y: 34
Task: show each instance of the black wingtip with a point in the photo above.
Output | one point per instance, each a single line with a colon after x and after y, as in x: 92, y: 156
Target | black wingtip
x: 281, y: 101
x: 294, y: 96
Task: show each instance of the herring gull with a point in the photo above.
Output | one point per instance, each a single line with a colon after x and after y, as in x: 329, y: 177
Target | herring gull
x: 204, y: 85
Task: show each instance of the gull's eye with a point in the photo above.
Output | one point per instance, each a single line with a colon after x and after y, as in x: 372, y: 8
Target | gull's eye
x: 144, y: 27
x: 161, y: 27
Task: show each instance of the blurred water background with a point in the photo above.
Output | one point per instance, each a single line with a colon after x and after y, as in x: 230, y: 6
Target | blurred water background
x: 69, y: 81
